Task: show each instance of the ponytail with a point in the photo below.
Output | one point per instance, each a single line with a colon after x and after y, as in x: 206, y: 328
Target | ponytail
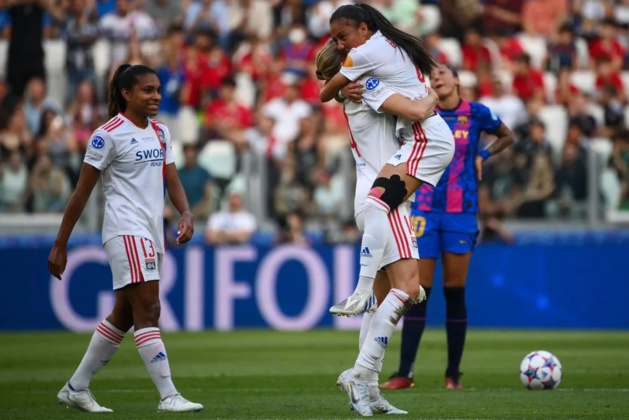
x: 376, y: 21
x: 124, y: 78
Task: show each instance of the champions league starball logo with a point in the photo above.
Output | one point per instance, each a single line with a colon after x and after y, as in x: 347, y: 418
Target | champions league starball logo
x: 372, y: 83
x: 98, y: 142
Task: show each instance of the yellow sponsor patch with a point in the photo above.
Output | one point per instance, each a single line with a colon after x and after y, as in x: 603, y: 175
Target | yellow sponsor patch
x: 348, y: 62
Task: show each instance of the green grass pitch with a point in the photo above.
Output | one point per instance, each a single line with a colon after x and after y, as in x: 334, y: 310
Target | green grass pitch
x: 257, y: 374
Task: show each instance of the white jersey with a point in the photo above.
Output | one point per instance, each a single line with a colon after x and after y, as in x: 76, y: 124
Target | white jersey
x: 132, y: 161
x: 386, y: 63
x: 371, y: 135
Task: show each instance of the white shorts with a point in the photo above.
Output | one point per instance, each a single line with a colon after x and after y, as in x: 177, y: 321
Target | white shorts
x: 133, y: 260
x: 427, y: 149
x: 402, y: 242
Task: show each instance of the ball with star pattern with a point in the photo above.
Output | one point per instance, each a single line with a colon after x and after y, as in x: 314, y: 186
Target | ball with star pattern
x: 540, y: 370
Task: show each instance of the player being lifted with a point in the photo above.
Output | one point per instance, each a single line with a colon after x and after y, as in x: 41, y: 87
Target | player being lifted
x: 444, y: 218
x: 132, y: 155
x: 376, y: 48
x: 373, y: 141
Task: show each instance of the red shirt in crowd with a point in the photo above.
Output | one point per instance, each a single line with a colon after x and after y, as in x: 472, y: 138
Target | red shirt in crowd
x: 525, y: 86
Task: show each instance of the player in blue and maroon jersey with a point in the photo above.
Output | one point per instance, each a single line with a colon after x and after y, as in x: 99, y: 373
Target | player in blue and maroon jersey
x: 444, y: 218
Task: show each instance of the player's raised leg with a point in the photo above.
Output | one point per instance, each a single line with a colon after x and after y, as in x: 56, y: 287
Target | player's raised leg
x: 104, y: 344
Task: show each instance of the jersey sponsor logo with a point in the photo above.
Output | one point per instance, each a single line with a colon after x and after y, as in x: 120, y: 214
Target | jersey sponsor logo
x: 98, y: 142
x: 377, y: 93
x: 372, y: 83
x: 154, y: 156
x: 349, y: 62
x: 461, y: 134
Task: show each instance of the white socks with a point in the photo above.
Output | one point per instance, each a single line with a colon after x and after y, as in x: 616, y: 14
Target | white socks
x: 151, y: 348
x: 374, y: 239
x: 381, y: 327
x: 103, y: 345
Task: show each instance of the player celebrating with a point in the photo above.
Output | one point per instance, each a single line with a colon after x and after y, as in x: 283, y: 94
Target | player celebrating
x: 445, y: 222
x: 133, y: 154
x: 372, y: 138
x: 393, y: 57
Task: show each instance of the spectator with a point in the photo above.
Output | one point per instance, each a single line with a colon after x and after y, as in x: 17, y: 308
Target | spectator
x: 571, y: 185
x: 607, y: 46
x: 25, y: 58
x: 14, y: 133
x: 85, y: 114
x: 509, y: 108
x: 544, y: 17
x: 528, y: 83
x: 36, y: 102
x: 329, y: 195
x: 165, y: 13
x: 606, y: 75
x: 503, y: 16
x: 292, y: 229
x: 49, y: 187
x: 13, y: 184
x: 432, y: 44
x: 297, y: 52
x: 124, y: 24
x: 225, y: 114
x: 579, y: 113
x: 404, y: 14
x: 55, y: 140
x: 287, y: 111
x: 456, y: 16
x: 172, y: 76
x: 475, y: 54
x: 588, y: 15
x: 566, y: 89
x: 81, y: 32
x: 562, y: 52
x: 197, y: 183
x: 319, y: 16
x: 231, y: 227
x: 613, y: 112
x: 509, y: 49
x: 209, y: 16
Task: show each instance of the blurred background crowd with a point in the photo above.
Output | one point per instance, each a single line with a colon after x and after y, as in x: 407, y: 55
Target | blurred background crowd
x: 261, y: 158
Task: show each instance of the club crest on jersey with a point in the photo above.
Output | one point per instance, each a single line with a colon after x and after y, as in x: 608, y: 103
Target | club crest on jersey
x: 98, y: 142
x: 462, y: 119
x: 150, y: 264
x: 160, y: 135
x: 414, y: 241
x: 372, y: 83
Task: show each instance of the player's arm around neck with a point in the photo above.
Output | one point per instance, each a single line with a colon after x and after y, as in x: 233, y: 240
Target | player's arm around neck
x: 333, y: 87
x: 178, y: 197
x: 416, y: 110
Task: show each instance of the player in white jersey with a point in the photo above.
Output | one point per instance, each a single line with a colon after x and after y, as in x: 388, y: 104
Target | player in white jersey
x: 375, y: 47
x: 132, y: 155
x: 373, y: 141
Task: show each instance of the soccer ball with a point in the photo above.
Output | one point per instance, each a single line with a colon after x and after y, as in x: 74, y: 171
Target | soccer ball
x: 540, y: 370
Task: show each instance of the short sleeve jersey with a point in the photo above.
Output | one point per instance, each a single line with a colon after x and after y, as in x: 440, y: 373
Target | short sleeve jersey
x: 132, y: 161
x: 457, y: 190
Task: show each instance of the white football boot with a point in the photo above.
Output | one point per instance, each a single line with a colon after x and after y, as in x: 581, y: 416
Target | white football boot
x: 81, y: 400
x: 357, y: 303
x: 178, y: 404
x: 357, y: 391
x: 379, y: 405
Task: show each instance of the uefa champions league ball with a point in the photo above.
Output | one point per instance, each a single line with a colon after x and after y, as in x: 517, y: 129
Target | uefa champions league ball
x: 540, y: 370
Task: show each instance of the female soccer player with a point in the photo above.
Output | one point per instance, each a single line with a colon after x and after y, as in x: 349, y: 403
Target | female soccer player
x: 445, y: 223
x: 132, y: 155
x: 373, y: 141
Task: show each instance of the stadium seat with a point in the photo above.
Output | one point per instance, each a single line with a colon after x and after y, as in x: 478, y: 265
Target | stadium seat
x: 188, y: 124
x: 507, y: 80
x: 4, y: 56
x: 151, y: 48
x: 467, y: 78
x: 55, y: 61
x: 494, y: 52
x: 627, y: 116
x: 102, y: 54
x: 550, y: 85
x: 431, y: 16
x: 603, y: 147
x: 597, y: 112
x: 535, y: 47
x: 585, y: 80
x: 218, y: 157
x: 245, y: 90
x: 556, y: 120
x: 177, y: 148
x: 452, y: 49
x: 583, y: 53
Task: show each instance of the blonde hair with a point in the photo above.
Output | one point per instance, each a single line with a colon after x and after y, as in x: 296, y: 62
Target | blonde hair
x: 329, y: 61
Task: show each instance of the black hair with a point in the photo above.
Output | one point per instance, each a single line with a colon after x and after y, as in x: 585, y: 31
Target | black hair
x: 125, y: 77
x: 376, y: 21
x: 452, y: 69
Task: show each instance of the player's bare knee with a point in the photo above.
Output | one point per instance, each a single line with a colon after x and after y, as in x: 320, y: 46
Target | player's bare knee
x: 147, y: 309
x: 390, y: 191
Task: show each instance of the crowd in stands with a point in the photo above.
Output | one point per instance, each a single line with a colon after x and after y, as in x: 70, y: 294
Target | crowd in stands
x: 241, y: 100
